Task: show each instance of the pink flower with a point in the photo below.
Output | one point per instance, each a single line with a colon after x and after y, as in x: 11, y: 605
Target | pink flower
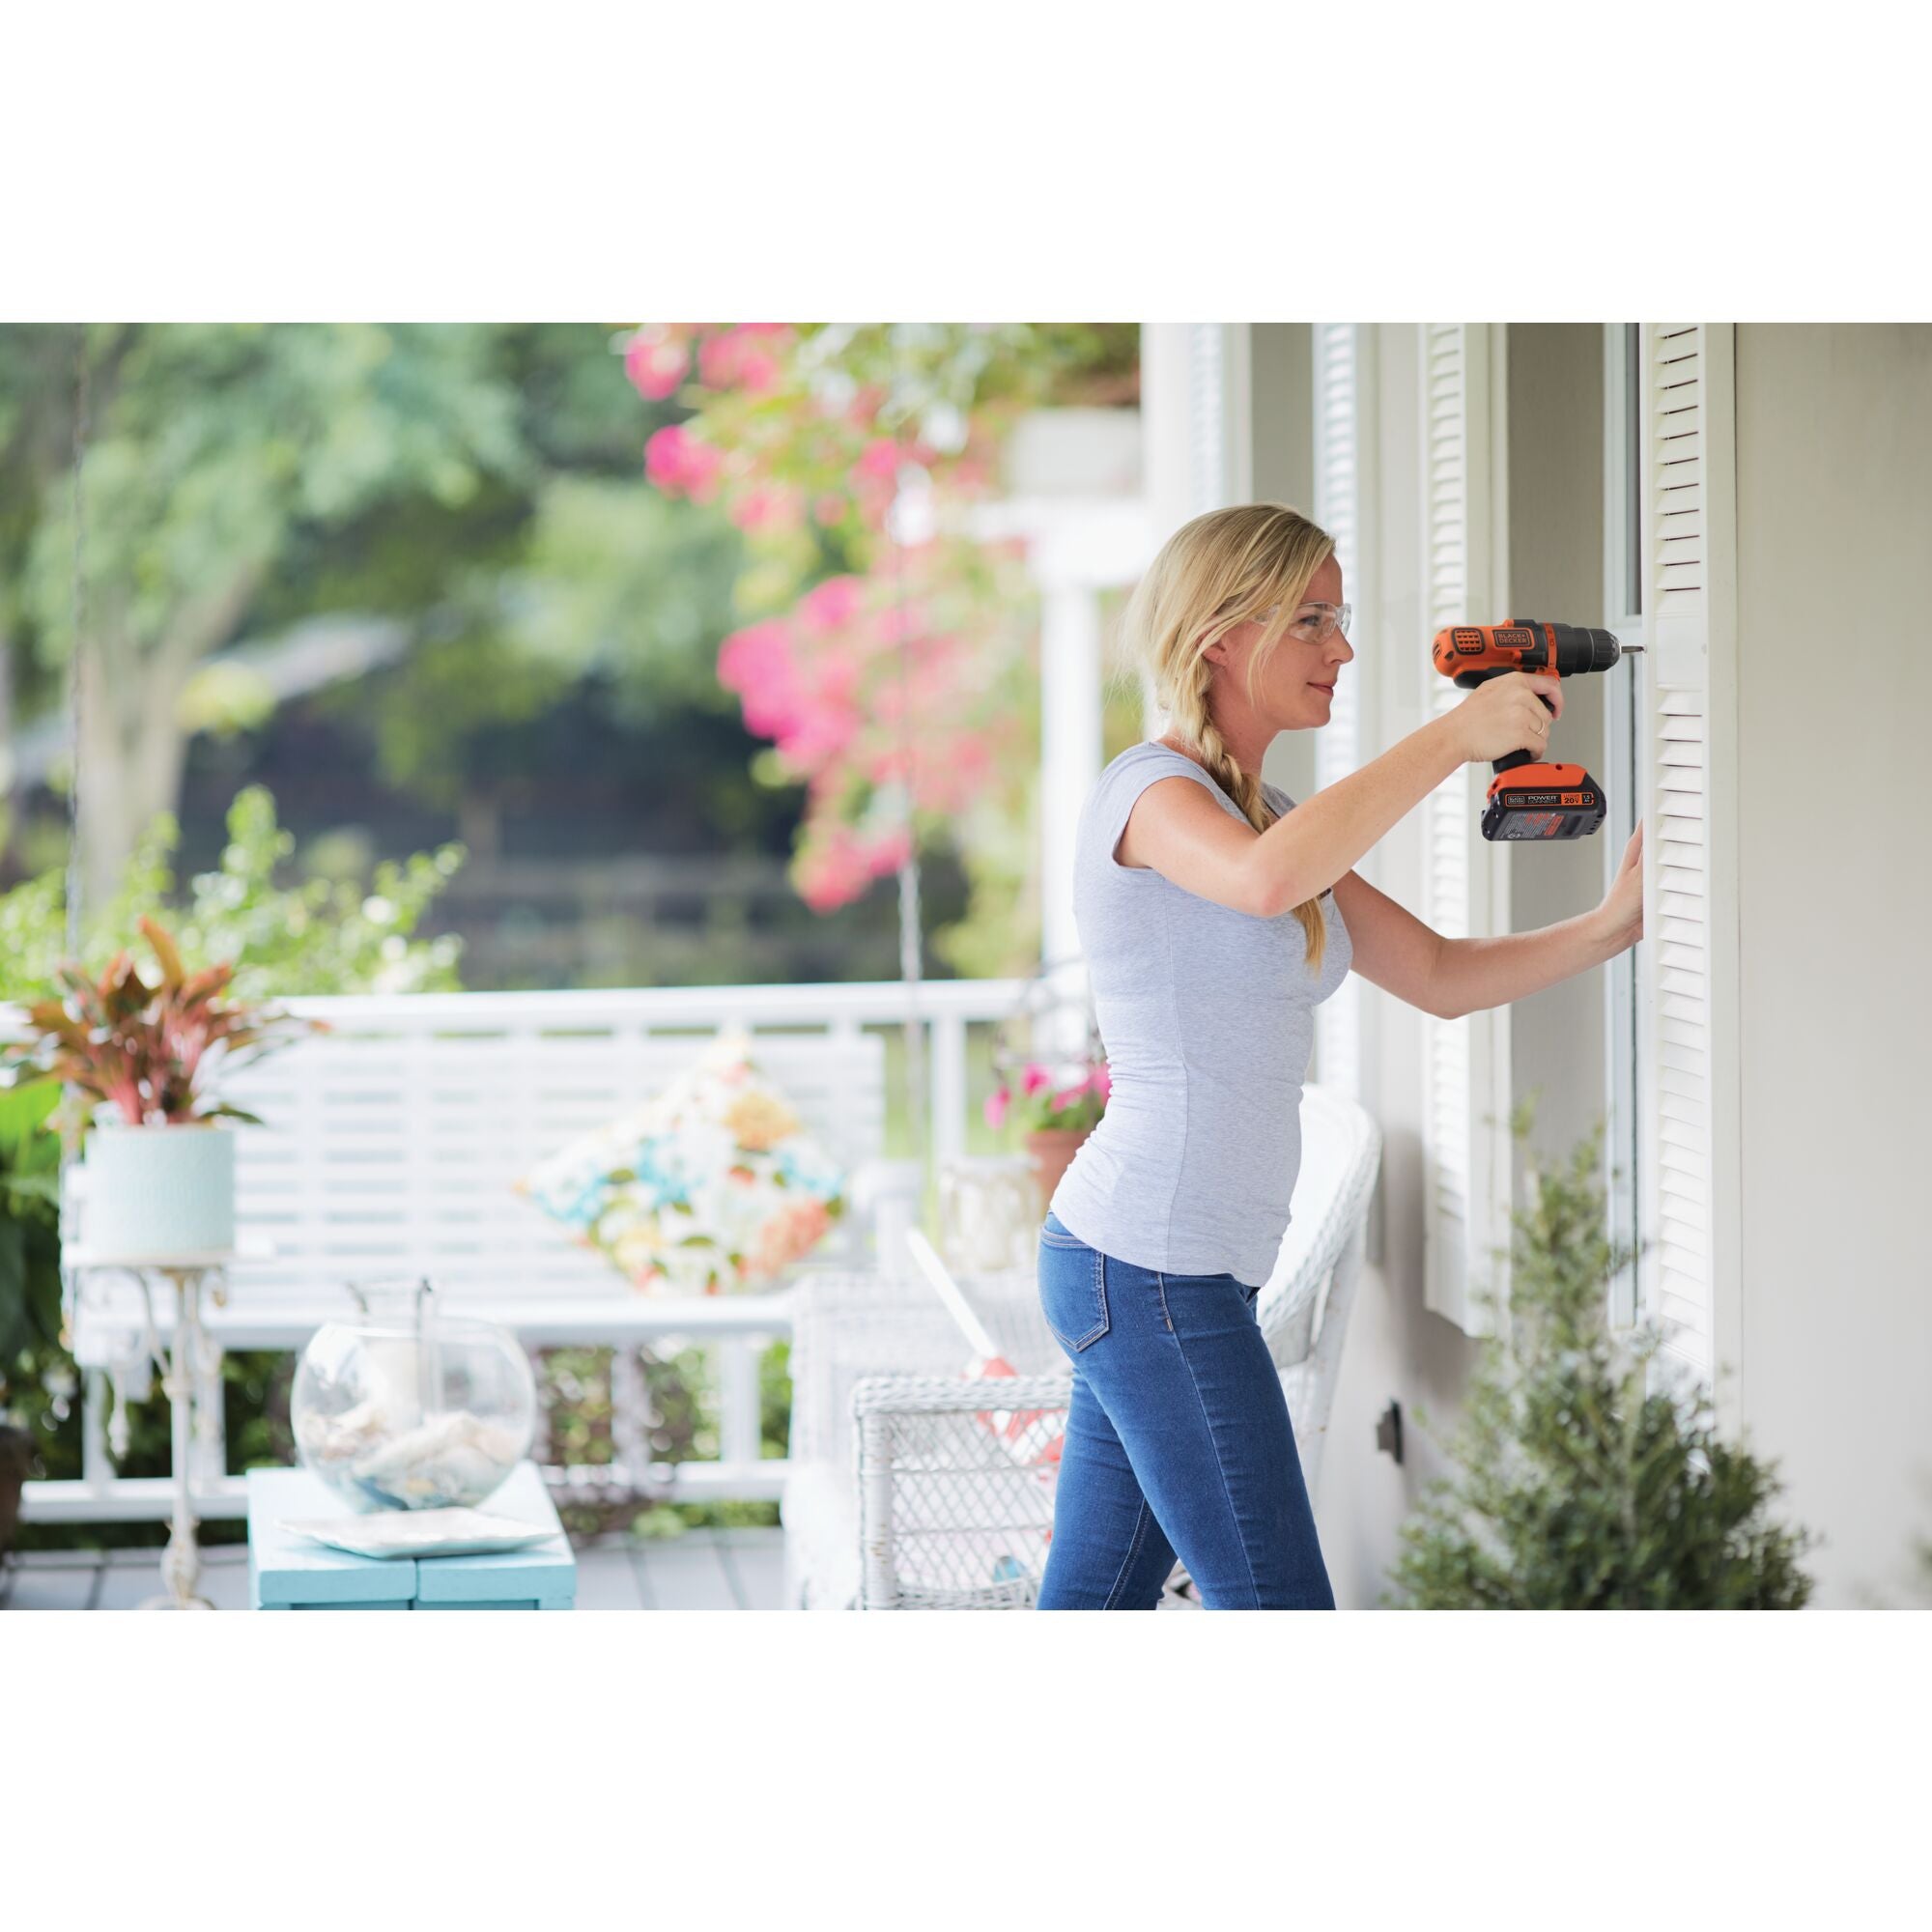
x: 826, y: 606
x: 770, y: 506
x: 833, y: 873
x: 654, y: 366
x: 718, y: 360
x: 744, y: 357
x: 819, y: 730
x: 1035, y: 1077
x: 997, y: 1103
x: 1102, y: 1082
x: 756, y: 662
x: 757, y: 372
x: 880, y: 462
x: 678, y: 463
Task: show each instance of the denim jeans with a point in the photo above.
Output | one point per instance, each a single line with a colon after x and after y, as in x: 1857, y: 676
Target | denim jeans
x: 1178, y: 1442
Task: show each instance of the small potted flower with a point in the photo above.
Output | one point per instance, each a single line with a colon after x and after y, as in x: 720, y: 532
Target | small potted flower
x: 1056, y: 1114
x: 160, y: 1179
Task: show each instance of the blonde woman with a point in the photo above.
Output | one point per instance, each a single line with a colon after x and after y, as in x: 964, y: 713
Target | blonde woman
x: 1216, y: 914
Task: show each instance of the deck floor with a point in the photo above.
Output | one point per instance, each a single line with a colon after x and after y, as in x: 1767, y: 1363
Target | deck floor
x: 702, y: 1570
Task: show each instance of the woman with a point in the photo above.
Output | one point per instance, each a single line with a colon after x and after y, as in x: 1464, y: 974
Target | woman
x: 1214, y: 913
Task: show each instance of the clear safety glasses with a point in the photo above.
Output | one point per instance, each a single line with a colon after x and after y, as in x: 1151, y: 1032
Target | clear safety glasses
x: 1315, y: 623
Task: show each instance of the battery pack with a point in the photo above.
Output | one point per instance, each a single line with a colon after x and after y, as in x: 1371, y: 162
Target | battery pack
x: 1538, y: 801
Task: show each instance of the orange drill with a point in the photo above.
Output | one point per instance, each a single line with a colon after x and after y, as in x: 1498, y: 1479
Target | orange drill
x: 1539, y: 798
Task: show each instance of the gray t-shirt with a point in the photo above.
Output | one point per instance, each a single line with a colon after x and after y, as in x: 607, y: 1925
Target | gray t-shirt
x: 1208, y: 1019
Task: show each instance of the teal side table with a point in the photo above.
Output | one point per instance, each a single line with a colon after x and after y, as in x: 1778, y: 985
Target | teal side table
x: 290, y: 1573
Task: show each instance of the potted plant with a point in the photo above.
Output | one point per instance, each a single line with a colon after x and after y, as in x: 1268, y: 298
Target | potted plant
x: 160, y: 1177
x: 1057, y: 1113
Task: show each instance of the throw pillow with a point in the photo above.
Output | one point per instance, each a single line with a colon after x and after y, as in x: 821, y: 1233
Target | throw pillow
x: 713, y: 1187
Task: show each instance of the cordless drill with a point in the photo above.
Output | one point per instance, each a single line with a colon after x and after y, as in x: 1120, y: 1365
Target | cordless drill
x: 1537, y: 799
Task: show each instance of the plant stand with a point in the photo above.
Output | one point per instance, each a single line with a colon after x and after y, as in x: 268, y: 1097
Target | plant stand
x: 179, y: 1373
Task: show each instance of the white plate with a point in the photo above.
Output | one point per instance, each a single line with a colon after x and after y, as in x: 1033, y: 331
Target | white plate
x: 437, y: 1532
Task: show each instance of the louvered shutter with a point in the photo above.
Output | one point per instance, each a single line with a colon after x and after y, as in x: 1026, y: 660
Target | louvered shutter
x: 1467, y: 1150
x: 1209, y: 451
x: 1344, y: 358
x: 1686, y: 969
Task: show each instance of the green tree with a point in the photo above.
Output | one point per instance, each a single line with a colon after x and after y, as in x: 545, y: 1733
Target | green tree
x: 318, y: 935
x: 209, y: 448
x: 1577, y: 1484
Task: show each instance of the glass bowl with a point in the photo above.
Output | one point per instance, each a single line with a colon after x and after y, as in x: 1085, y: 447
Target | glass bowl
x: 405, y: 1408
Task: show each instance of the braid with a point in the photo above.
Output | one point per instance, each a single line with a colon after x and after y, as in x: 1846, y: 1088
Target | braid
x: 1240, y: 563
x: 1244, y: 788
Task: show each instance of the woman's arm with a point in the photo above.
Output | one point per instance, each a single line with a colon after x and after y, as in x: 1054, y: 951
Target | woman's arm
x: 1449, y: 978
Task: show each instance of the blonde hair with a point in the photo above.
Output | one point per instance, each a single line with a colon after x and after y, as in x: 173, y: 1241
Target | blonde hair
x: 1222, y: 569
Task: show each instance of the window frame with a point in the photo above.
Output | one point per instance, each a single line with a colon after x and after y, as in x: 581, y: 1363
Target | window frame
x: 1623, y: 615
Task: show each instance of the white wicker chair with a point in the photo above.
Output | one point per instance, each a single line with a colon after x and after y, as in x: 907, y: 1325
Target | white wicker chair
x: 901, y: 1499
x: 848, y: 1328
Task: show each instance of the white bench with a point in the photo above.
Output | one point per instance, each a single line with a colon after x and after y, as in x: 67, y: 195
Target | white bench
x: 389, y: 1149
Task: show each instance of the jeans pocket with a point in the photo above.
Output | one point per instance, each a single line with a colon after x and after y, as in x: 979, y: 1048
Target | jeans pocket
x: 1053, y: 1232
x: 1072, y: 1293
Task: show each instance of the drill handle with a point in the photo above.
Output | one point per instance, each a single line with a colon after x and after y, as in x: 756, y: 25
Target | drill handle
x: 1510, y: 761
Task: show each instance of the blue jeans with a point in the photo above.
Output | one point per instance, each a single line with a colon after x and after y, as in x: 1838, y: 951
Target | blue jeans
x: 1178, y: 1441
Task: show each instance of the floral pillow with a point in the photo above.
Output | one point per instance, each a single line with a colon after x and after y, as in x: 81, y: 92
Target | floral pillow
x: 711, y: 1188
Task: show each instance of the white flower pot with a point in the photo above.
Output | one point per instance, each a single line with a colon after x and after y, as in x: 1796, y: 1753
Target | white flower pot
x: 159, y: 1190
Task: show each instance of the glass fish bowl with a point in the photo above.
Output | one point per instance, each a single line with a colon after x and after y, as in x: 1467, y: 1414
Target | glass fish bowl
x: 403, y: 1407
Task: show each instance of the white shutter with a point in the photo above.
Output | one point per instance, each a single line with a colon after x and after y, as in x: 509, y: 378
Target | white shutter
x: 1345, y: 375
x: 1206, y: 418
x: 1467, y: 1161
x: 1220, y: 462
x: 1686, y: 967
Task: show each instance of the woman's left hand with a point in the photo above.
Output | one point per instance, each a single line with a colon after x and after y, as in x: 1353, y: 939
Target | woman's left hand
x: 1622, y: 909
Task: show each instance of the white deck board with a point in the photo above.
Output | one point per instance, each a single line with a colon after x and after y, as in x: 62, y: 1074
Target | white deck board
x: 685, y: 1573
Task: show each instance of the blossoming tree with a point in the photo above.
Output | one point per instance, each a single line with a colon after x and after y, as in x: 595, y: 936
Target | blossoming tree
x: 891, y: 657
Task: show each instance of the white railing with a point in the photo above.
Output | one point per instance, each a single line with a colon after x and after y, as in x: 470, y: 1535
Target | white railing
x: 737, y: 1331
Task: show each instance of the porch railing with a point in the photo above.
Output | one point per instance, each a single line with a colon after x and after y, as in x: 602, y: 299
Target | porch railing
x: 736, y: 1331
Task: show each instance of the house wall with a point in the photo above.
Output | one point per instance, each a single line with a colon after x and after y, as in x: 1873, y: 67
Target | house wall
x: 1835, y: 497
x: 1834, y: 502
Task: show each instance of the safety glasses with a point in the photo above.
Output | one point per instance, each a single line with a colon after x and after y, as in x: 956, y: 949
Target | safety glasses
x: 1315, y: 623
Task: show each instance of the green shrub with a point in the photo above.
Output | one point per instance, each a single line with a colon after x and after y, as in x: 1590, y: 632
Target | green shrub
x: 1580, y: 1481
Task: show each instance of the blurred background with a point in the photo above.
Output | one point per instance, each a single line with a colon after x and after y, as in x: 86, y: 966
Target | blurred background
x: 493, y: 656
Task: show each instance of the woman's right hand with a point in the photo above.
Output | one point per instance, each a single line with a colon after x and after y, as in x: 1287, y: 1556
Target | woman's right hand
x: 1507, y: 714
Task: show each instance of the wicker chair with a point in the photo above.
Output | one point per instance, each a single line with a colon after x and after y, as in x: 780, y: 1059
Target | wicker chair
x: 888, y: 1329
x: 945, y: 1515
